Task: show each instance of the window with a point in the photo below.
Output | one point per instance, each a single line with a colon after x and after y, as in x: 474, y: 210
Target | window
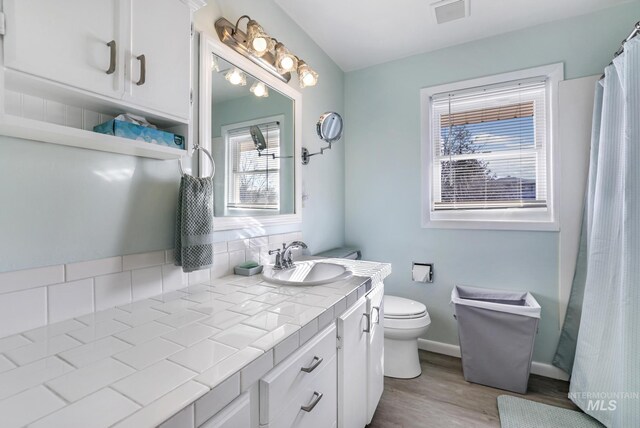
x: 254, y: 180
x: 487, y: 152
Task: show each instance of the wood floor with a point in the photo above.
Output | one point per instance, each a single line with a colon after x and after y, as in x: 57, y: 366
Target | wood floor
x: 441, y: 397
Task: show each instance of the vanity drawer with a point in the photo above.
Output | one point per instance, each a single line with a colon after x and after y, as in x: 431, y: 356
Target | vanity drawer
x: 289, y: 378
x: 321, y: 415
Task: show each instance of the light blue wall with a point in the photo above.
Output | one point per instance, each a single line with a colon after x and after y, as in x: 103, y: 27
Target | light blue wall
x: 58, y: 208
x: 383, y: 169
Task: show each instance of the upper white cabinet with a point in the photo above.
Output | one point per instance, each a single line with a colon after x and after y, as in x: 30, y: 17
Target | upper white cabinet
x: 68, y: 65
x: 73, y: 42
x: 159, y: 56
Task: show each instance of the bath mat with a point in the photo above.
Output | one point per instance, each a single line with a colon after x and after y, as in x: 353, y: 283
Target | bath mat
x: 520, y: 413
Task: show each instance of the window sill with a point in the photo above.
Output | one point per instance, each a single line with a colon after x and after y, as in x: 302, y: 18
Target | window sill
x: 533, y: 226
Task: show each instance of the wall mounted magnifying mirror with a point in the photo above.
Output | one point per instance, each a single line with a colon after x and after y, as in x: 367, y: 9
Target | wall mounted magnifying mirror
x: 249, y: 120
x: 329, y: 128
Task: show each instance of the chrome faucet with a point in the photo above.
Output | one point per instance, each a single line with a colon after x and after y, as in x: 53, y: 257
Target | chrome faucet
x: 283, y: 256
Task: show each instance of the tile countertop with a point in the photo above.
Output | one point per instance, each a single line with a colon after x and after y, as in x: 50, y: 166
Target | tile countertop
x: 139, y: 364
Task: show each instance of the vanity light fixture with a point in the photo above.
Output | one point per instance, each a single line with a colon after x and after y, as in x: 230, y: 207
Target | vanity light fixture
x: 264, y: 50
x: 235, y: 76
x: 259, y: 89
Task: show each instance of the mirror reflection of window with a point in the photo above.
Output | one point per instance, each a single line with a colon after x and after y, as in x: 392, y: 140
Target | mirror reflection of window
x: 254, y: 180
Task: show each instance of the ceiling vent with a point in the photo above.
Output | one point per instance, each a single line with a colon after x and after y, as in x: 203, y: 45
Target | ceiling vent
x: 450, y: 10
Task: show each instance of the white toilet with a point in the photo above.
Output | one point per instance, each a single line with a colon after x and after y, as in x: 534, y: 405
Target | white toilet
x: 404, y: 321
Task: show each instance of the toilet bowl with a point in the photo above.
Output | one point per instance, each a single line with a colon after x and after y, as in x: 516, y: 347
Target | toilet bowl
x: 404, y: 321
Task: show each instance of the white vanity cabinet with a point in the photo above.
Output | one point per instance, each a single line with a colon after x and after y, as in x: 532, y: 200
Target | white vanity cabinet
x: 375, y: 350
x: 109, y: 55
x: 301, y: 391
x: 353, y: 328
x: 334, y: 380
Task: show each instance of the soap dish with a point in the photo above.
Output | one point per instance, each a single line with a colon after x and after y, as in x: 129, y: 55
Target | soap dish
x: 247, y: 271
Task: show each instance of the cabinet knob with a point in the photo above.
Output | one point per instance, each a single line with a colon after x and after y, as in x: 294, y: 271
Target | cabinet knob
x: 112, y: 57
x: 317, y: 396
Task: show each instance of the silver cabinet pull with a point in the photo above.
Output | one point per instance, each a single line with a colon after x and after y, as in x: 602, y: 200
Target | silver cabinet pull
x: 315, y: 363
x: 143, y: 70
x: 309, y: 407
x: 367, y: 329
x: 112, y: 57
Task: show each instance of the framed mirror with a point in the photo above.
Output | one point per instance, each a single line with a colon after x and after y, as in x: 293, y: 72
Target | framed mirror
x: 250, y: 122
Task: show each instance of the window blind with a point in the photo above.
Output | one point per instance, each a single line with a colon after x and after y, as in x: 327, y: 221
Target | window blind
x: 254, y: 180
x: 489, y: 147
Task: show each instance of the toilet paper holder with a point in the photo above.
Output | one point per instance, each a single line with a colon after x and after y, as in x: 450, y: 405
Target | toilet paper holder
x: 422, y: 272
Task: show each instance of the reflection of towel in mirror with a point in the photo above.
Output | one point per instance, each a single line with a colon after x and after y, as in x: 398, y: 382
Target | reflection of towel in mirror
x: 194, y: 224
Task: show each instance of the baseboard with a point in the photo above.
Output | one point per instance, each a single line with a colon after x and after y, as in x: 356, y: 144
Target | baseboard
x: 540, y: 369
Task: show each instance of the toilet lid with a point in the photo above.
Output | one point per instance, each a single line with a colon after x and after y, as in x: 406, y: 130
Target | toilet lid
x: 398, y: 307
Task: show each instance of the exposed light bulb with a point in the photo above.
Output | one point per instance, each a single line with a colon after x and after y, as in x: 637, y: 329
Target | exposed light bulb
x: 309, y: 79
x: 285, y: 60
x: 258, y: 42
x: 259, y: 89
x: 236, y: 77
x: 286, y: 63
x: 306, y: 75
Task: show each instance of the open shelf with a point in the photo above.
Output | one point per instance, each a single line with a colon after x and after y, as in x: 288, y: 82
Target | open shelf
x: 29, y: 129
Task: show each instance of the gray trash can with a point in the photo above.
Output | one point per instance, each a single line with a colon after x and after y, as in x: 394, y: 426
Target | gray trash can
x: 497, y: 329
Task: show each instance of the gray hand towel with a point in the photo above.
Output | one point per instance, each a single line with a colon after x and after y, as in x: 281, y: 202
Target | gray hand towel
x: 194, y: 224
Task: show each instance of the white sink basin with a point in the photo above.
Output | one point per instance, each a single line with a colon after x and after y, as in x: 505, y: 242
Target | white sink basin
x: 307, y: 273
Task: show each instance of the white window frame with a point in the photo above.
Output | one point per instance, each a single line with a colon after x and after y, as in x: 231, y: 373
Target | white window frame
x: 496, y: 219
x: 224, y: 131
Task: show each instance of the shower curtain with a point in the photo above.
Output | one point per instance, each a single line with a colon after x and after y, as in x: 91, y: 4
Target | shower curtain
x: 605, y: 381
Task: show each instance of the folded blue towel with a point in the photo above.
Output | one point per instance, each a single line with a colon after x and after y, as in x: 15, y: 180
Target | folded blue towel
x: 194, y: 224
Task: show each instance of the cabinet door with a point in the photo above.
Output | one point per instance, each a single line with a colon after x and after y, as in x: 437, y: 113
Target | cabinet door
x: 375, y: 350
x: 66, y: 42
x: 161, y: 45
x: 352, y: 367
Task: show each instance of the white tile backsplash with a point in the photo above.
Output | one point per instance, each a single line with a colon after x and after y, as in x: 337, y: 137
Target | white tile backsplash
x: 33, y: 298
x: 146, y: 282
x: 112, y: 290
x: 236, y: 258
x: 172, y: 278
x: 70, y: 299
x: 30, y: 278
x: 143, y: 260
x: 22, y: 310
x: 93, y: 268
x: 199, y: 276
